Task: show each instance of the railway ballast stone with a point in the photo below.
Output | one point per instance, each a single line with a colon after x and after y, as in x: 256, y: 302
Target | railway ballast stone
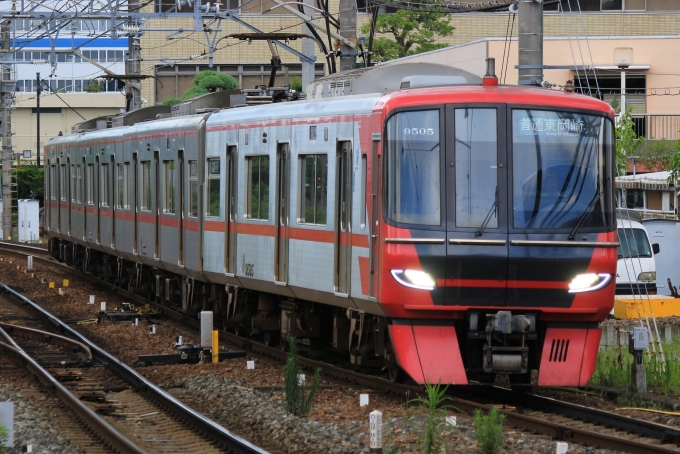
x: 32, y: 425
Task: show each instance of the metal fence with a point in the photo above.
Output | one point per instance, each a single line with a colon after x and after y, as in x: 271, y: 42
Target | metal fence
x: 657, y: 127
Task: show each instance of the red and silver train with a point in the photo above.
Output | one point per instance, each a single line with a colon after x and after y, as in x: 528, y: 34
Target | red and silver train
x: 452, y: 232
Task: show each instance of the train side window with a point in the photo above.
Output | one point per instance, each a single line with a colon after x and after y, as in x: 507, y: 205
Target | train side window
x: 213, y: 188
x: 362, y: 194
x: 169, y: 172
x: 73, y: 183
x: 120, y: 190
x: 53, y: 182
x: 146, y: 186
x: 79, y: 184
x: 126, y: 193
x: 89, y: 177
x: 313, y: 193
x: 257, y: 193
x: 62, y: 182
x: 193, y: 189
x: 104, y: 179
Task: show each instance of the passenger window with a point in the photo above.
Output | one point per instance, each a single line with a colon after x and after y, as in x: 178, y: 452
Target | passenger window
x: 79, y: 184
x: 73, y: 183
x: 257, y: 194
x: 213, y: 188
x: 193, y: 189
x: 146, y: 186
x: 104, y: 179
x: 90, y: 184
x: 53, y: 182
x: 169, y: 172
x: 313, y: 197
x: 413, y: 168
x: 62, y: 183
x: 121, y: 186
x: 476, y: 163
x: 126, y: 193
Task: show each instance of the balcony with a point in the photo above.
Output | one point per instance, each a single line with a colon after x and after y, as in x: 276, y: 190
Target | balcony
x: 657, y: 127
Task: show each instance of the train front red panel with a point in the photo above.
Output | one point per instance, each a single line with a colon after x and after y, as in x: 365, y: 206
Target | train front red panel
x: 569, y: 356
x: 429, y: 354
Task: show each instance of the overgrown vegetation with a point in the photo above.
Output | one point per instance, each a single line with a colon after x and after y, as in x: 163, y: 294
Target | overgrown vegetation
x: 205, y: 82
x: 296, y: 83
x: 613, y: 369
x: 658, y: 155
x: 4, y: 437
x: 431, y: 439
x: 627, y: 141
x: 638, y: 401
x: 489, y: 431
x: 407, y: 33
x: 30, y: 181
x: 299, y: 396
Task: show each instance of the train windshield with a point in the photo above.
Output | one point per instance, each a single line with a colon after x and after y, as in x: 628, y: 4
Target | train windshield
x: 561, y: 170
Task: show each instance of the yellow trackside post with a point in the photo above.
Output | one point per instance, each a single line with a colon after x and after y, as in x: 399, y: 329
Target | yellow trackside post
x: 215, y: 346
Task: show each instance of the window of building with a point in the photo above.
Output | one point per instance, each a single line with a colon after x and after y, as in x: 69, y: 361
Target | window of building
x: 169, y: 190
x: 257, y: 194
x: 193, y: 189
x: 27, y: 153
x: 635, y: 198
x: 104, y: 178
x: 314, y: 171
x: 89, y: 177
x: 146, y: 186
x: 213, y: 189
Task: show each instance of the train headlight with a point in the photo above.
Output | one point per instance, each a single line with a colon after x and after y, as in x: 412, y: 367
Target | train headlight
x: 414, y: 279
x: 647, y: 276
x: 589, y: 282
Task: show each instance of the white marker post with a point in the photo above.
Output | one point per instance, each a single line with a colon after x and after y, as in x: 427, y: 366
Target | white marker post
x: 91, y: 299
x: 363, y: 400
x: 301, y: 379
x: 30, y: 262
x: 153, y: 329
x: 250, y: 365
x: 451, y: 420
x: 103, y: 306
x: 136, y: 321
x: 375, y: 420
x: 561, y: 448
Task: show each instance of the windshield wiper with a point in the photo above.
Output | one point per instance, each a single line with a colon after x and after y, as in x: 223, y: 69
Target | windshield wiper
x: 585, y: 214
x: 487, y: 219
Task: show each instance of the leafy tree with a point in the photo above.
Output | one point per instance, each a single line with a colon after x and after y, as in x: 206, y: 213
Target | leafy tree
x: 211, y: 81
x: 658, y: 155
x: 30, y: 181
x: 296, y: 83
x: 627, y: 141
x: 411, y: 32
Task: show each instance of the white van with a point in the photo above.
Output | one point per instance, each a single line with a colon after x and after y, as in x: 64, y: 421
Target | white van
x: 636, y: 267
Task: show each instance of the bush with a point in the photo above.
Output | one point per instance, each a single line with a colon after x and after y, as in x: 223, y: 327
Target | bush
x: 489, y: 431
x: 171, y: 101
x: 299, y: 397
x: 211, y: 81
x: 194, y: 92
x: 296, y: 83
x: 4, y: 437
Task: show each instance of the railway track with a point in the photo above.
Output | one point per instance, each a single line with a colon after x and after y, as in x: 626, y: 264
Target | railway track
x: 140, y: 416
x: 557, y: 419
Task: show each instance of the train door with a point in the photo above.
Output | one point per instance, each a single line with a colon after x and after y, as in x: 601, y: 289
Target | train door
x: 113, y: 175
x: 373, y: 227
x: 477, y: 226
x: 180, y: 207
x: 343, y: 233
x: 282, y: 212
x: 157, y: 202
x: 230, y: 215
x: 135, y: 204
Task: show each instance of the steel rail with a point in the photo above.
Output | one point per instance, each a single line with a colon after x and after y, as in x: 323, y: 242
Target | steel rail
x: 526, y: 422
x: 83, y: 350
x: 98, y: 425
x: 218, y: 433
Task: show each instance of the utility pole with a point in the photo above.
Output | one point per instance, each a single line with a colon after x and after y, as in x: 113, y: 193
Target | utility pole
x: 348, y: 30
x: 7, y: 89
x: 530, y: 42
x: 133, y: 87
x: 38, y: 90
x: 307, y: 49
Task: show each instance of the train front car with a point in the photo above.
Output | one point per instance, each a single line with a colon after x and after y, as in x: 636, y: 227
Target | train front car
x: 498, y: 250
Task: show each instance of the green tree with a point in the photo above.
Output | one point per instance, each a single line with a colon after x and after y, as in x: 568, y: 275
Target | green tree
x: 658, y: 155
x: 30, y: 181
x: 408, y: 33
x: 211, y: 81
x: 627, y: 141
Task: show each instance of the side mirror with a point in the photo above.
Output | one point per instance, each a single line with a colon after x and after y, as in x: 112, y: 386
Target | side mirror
x: 655, y: 248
